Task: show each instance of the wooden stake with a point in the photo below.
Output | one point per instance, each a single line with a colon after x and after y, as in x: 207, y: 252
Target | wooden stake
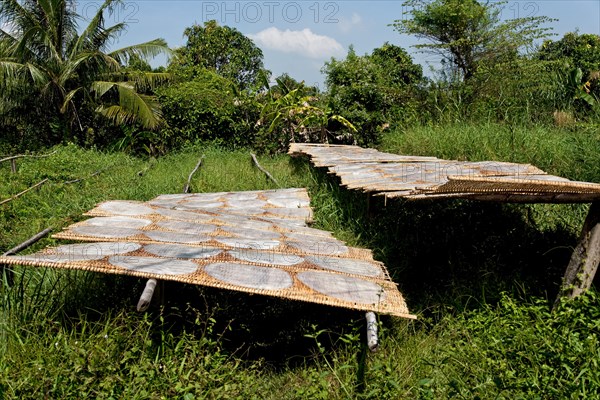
x: 23, y: 192
x: 264, y: 171
x: 186, y: 188
x: 13, y: 166
x: 372, y: 339
x: 585, y: 258
x: 18, y: 248
x: 146, y: 297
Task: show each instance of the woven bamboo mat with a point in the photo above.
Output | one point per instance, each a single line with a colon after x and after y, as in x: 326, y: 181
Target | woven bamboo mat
x: 220, y: 247
x: 419, y: 178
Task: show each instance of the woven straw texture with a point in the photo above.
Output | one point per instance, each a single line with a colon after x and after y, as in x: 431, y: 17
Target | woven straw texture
x: 418, y: 178
x: 207, y: 239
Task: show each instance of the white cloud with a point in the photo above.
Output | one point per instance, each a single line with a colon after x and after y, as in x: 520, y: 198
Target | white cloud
x: 304, y: 42
x: 348, y: 24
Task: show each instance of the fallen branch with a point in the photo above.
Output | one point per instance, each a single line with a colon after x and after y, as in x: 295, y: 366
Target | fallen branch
x: 28, y: 242
x: 26, y: 155
x: 186, y: 188
x: 8, y: 273
x: 262, y: 169
x: 23, y: 192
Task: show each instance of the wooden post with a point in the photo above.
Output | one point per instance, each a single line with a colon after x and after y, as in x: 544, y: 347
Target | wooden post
x: 13, y: 166
x: 264, y: 171
x: 585, y: 259
x: 186, y: 188
x: 372, y: 339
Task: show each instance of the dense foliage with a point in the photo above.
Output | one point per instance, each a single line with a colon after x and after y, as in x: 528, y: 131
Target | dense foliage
x: 54, y: 76
x: 373, y: 91
x: 207, y: 108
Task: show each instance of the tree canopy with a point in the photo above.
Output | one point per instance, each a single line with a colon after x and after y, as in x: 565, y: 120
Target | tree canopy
x: 222, y: 49
x: 465, y: 33
x: 372, y: 90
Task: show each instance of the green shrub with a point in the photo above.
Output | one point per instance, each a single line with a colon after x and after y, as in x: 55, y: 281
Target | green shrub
x: 208, y: 108
x: 520, y: 351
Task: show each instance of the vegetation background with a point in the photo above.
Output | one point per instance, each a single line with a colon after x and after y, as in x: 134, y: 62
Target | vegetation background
x: 481, y: 277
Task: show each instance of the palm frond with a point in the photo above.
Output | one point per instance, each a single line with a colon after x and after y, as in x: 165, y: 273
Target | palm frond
x: 132, y: 107
x: 145, y: 81
x: 94, y: 29
x: 68, y: 99
x: 145, y: 50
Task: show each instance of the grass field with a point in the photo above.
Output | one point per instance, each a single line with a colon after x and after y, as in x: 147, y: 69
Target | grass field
x: 479, y: 276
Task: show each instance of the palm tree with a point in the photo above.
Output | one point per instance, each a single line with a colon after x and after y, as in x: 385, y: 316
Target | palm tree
x: 48, y: 64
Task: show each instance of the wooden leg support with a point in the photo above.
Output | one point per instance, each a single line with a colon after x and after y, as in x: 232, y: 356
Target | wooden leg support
x: 146, y: 297
x: 372, y: 339
x: 585, y: 259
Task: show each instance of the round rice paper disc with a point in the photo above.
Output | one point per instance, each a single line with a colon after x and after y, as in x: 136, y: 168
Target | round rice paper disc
x: 288, y: 202
x: 346, y: 265
x: 176, y: 237
x: 97, y: 250
x: 184, y: 215
x: 266, y: 257
x: 251, y: 233
x: 125, y: 208
x: 254, y: 203
x: 322, y: 247
x: 186, y: 227
x: 250, y: 276
x: 241, y: 243
x: 153, y: 265
x: 180, y: 251
x: 342, y: 287
x: 106, y: 232
x: 120, y: 221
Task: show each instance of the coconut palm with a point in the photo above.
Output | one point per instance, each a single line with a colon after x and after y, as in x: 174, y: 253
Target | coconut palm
x: 47, y: 63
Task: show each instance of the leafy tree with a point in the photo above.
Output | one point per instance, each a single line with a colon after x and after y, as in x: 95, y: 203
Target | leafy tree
x: 576, y: 59
x: 373, y: 91
x: 222, y: 49
x: 53, y: 71
x: 574, y: 50
x: 285, y: 83
x: 467, y: 33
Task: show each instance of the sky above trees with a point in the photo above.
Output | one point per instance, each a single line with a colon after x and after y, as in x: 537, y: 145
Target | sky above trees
x: 297, y: 37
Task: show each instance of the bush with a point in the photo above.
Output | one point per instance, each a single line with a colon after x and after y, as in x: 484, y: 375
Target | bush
x: 209, y: 108
x: 373, y: 91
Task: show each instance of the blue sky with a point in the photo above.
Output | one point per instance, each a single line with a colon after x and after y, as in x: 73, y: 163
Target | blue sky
x: 298, y: 37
